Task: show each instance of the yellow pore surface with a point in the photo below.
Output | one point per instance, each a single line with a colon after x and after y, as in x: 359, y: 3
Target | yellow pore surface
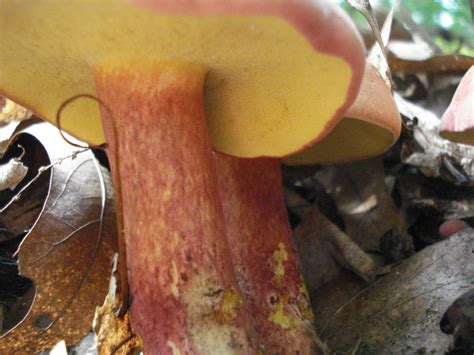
x: 352, y: 139
x: 267, y: 91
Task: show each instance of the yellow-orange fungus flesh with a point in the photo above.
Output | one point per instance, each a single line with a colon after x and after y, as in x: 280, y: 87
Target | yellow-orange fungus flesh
x: 183, y: 293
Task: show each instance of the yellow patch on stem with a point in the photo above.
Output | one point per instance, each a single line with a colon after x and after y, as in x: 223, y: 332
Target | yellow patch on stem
x: 276, y: 263
x: 173, y: 347
x: 229, y: 303
x: 279, y: 317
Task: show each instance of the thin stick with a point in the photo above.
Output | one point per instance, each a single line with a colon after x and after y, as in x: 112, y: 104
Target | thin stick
x: 100, y: 220
x: 124, y: 289
x: 41, y: 170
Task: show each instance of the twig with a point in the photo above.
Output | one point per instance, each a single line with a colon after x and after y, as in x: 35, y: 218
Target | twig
x: 118, y: 187
x: 65, y: 239
x: 41, y: 170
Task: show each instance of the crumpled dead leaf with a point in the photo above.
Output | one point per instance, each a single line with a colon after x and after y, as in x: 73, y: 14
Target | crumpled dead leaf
x: 114, y: 334
x: 422, y: 54
x: 428, y: 202
x: 365, y: 206
x: 21, y: 215
x: 11, y: 174
x: 68, y: 252
x: 459, y: 321
x: 400, y: 313
x: 11, y: 111
x: 432, y: 154
x: 323, y: 249
x: 451, y: 63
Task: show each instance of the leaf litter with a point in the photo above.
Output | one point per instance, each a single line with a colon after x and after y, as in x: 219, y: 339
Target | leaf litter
x: 421, y: 300
x: 67, y: 251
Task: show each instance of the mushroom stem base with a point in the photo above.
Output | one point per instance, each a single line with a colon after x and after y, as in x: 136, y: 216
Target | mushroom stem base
x: 184, y: 297
x: 263, y: 253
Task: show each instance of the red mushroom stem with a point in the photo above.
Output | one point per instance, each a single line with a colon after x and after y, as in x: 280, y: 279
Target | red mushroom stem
x: 263, y: 254
x: 184, y: 298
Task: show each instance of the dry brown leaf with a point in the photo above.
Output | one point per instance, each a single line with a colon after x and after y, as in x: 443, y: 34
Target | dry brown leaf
x: 12, y: 173
x: 114, y: 334
x: 323, y: 249
x: 452, y: 63
x: 69, y: 250
x: 428, y: 202
x: 21, y: 215
x: 428, y: 151
x: 400, y: 313
x: 367, y: 209
x: 11, y: 111
x: 459, y: 321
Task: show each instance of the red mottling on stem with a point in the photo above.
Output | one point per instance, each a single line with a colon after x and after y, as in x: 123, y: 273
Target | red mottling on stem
x: 173, y: 219
x: 263, y: 254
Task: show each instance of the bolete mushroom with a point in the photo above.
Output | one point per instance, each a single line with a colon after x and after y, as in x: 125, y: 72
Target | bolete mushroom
x: 258, y: 231
x: 457, y: 123
x: 270, y: 77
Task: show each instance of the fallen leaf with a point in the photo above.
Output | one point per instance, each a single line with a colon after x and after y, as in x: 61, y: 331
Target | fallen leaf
x: 451, y: 63
x: 400, y: 313
x: 428, y: 202
x: 324, y: 249
x: 114, y: 334
x: 21, y: 215
x: 11, y: 174
x: 68, y: 252
x: 428, y: 151
x: 11, y: 111
x: 459, y: 321
x: 365, y: 206
x: 87, y: 345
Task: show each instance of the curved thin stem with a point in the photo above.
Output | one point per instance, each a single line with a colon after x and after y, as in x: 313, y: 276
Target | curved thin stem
x: 118, y: 187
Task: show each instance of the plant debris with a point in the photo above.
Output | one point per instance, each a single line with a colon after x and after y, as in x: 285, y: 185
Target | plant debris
x: 67, y: 252
x: 401, y: 312
x: 12, y: 173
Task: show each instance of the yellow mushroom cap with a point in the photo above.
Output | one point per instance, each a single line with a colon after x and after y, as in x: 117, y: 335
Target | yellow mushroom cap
x: 370, y: 126
x: 273, y: 66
